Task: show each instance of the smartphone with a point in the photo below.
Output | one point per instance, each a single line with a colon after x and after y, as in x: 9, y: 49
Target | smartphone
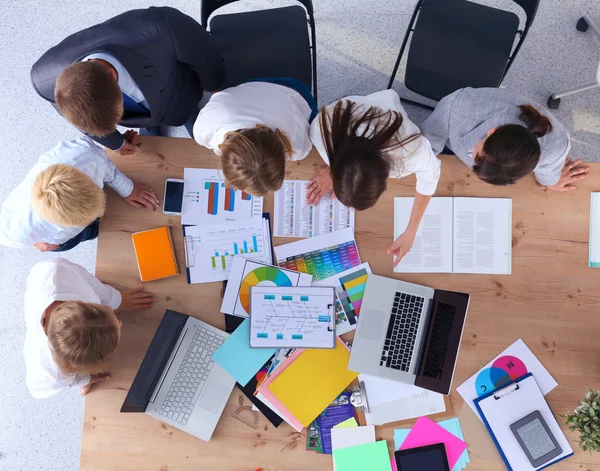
x: 173, y: 200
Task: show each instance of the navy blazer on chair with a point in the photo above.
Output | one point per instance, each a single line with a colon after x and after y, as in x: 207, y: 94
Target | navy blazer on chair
x: 169, y: 55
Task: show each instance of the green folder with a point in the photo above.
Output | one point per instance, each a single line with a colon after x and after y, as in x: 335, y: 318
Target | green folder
x: 371, y: 456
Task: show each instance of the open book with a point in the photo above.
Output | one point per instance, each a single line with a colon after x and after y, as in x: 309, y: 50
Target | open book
x: 458, y: 235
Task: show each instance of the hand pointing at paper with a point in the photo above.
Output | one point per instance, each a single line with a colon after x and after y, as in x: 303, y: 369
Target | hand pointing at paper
x: 404, y: 242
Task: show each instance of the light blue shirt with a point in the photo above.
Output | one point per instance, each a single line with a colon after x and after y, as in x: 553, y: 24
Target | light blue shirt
x: 124, y: 79
x: 21, y: 227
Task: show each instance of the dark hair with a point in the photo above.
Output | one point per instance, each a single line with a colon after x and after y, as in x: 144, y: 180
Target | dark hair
x: 512, y: 151
x: 357, y: 146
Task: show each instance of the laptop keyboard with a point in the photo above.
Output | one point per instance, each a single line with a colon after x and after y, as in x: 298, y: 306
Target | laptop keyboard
x: 191, y: 377
x: 433, y: 366
x: 402, y: 331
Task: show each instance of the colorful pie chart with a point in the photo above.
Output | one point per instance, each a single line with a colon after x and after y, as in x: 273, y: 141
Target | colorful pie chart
x: 263, y: 276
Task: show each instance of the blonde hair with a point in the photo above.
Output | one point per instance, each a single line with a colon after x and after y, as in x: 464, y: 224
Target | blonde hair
x: 253, y: 160
x: 64, y: 195
x: 89, y: 98
x: 82, y: 337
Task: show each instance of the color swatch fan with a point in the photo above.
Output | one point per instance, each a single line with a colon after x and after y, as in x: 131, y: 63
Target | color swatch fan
x: 245, y: 274
x: 351, y: 292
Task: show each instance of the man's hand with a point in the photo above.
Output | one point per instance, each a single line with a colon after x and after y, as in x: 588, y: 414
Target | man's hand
x: 93, y: 380
x: 142, y: 197
x: 571, y: 173
x: 402, y: 245
x: 44, y: 247
x: 131, y: 144
x: 135, y: 300
x: 319, y: 186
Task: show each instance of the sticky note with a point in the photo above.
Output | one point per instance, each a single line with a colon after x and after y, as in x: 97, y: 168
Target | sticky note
x: 371, y: 456
x: 351, y: 422
x: 237, y: 358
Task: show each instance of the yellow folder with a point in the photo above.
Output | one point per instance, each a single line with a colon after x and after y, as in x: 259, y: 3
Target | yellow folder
x: 309, y: 385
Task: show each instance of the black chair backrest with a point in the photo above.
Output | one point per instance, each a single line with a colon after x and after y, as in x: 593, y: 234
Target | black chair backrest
x: 530, y: 7
x: 208, y: 7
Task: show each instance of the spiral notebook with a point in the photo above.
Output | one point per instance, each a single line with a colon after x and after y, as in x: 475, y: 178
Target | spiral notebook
x: 155, y: 254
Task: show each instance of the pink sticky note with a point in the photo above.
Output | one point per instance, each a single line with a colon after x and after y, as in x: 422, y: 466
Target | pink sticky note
x: 427, y: 432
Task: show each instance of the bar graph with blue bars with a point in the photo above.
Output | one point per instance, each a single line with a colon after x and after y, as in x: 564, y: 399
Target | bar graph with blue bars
x: 223, y: 245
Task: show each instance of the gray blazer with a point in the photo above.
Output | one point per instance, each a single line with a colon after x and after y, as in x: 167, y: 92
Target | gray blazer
x: 170, y: 56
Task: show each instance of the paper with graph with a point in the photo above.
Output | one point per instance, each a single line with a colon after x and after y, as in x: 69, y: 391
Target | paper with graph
x: 350, y: 288
x: 206, y: 200
x: 284, y: 317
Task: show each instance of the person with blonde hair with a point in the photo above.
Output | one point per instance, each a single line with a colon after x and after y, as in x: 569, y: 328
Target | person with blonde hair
x: 73, y: 326
x: 255, y: 128
x: 59, y: 203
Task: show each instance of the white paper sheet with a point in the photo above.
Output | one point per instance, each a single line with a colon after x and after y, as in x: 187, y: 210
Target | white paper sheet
x: 352, y: 436
x: 210, y: 250
x: 228, y: 205
x: 482, y: 235
x: 432, y: 249
x: 416, y: 405
x: 382, y: 391
x: 295, y: 218
x: 594, y: 256
x: 247, y: 273
x: 514, y: 362
x: 292, y: 317
x: 343, y: 323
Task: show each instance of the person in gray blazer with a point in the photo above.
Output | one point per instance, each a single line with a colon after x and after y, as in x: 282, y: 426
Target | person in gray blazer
x: 503, y: 137
x: 140, y: 69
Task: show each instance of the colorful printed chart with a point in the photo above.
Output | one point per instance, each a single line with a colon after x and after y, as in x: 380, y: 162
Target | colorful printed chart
x: 263, y: 276
x: 504, y: 370
x: 351, y: 292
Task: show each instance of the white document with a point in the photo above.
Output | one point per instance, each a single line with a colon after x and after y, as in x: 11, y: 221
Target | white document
x: 292, y: 317
x: 432, y: 249
x: 210, y: 250
x: 418, y: 404
x: 206, y: 200
x: 382, y: 391
x: 351, y: 436
x: 458, y: 235
x: 322, y: 256
x: 266, y: 402
x: 344, y: 322
x: 245, y: 274
x: 594, y: 257
x: 510, y: 405
x: 514, y: 362
x: 295, y: 218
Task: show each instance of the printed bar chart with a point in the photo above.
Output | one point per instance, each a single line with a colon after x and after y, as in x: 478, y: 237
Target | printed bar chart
x: 213, y: 197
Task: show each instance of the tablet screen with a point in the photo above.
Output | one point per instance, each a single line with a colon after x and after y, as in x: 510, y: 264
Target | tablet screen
x: 536, y: 439
x: 419, y: 459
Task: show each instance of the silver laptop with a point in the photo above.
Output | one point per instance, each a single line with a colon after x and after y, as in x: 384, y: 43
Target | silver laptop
x: 409, y: 333
x: 178, y: 382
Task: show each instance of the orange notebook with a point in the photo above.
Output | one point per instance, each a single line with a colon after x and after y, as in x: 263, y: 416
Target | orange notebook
x: 155, y: 254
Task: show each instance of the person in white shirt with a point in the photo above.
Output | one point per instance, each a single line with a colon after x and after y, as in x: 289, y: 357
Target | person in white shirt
x: 73, y: 326
x: 58, y: 204
x: 365, y: 141
x: 255, y: 127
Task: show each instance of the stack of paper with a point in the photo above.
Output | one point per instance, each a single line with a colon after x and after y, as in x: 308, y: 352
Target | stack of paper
x: 370, y: 456
x: 307, y: 383
x: 349, y: 436
x: 426, y: 432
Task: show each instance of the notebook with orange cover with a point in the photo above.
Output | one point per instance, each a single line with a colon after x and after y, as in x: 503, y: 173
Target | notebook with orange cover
x: 155, y: 253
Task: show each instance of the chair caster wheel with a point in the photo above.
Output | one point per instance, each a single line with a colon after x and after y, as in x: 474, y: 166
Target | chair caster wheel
x: 553, y: 103
x: 582, y: 25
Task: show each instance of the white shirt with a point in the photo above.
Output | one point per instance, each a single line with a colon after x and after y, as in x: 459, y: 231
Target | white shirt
x: 21, y: 227
x: 50, y: 281
x: 249, y: 104
x: 415, y: 157
x: 124, y: 78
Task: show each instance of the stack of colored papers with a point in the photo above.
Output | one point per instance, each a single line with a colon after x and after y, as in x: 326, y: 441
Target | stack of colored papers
x: 426, y: 432
x: 318, y: 437
x: 370, y: 456
x: 349, y: 434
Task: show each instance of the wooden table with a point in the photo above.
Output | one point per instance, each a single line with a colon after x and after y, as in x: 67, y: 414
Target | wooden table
x: 551, y: 301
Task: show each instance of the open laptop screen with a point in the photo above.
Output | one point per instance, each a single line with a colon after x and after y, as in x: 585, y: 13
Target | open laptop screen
x: 154, y: 361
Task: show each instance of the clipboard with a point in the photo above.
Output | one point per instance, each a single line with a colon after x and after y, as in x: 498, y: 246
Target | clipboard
x: 501, y: 408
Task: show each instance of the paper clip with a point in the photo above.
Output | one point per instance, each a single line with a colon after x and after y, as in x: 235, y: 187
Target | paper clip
x: 359, y: 398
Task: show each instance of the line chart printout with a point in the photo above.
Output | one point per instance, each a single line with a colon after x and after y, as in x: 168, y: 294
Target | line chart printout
x: 295, y: 218
x: 206, y: 200
x: 292, y: 317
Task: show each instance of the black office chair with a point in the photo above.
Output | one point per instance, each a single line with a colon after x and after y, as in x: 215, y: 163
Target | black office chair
x: 457, y: 43
x: 278, y: 42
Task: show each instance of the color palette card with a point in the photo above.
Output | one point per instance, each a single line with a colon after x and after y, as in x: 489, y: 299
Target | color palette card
x: 370, y: 456
x: 321, y: 256
x: 237, y: 358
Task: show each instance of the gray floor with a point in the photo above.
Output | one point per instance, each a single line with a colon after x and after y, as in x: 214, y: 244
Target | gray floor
x: 357, y: 44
